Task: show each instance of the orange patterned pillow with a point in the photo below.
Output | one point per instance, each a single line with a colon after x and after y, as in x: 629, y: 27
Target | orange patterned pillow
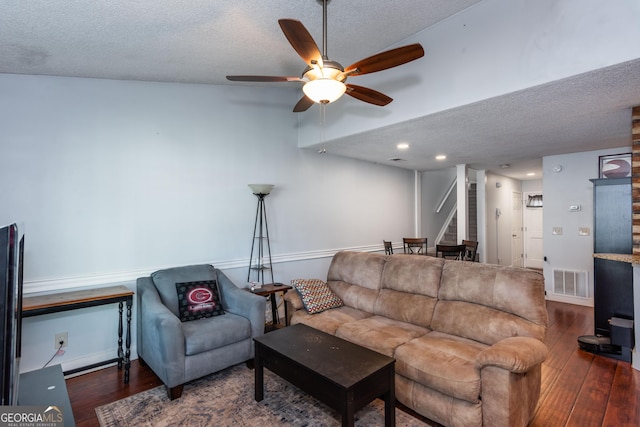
x: 316, y: 295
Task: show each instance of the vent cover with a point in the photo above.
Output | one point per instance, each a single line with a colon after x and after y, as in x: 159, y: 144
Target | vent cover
x: 571, y: 283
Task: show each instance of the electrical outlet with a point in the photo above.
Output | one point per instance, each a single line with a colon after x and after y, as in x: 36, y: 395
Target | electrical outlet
x: 61, y: 336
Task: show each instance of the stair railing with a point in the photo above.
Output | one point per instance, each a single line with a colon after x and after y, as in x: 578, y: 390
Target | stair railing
x: 446, y: 196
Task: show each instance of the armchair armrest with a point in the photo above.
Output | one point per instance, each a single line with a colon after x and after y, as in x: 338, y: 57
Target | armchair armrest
x: 239, y: 301
x: 515, y: 354
x: 160, y: 341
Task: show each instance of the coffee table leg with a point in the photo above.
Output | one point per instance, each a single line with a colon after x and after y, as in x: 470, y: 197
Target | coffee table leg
x: 390, y: 401
x: 259, y: 372
x: 348, y: 414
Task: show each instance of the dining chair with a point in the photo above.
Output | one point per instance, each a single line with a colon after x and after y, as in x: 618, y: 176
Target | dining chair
x: 450, y: 251
x: 388, y: 247
x: 415, y: 245
x: 471, y: 250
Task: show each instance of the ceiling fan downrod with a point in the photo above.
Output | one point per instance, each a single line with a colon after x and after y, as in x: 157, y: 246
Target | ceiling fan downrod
x: 324, y: 28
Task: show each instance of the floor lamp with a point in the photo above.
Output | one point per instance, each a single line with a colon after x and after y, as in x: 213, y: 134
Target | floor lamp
x: 258, y: 262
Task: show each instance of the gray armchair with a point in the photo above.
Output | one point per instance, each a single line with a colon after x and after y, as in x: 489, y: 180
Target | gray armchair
x: 179, y: 352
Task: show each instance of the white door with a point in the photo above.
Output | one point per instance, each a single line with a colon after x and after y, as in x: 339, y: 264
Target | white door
x: 533, y: 257
x: 516, y: 229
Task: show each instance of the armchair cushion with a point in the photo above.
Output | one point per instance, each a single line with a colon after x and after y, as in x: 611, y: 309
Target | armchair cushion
x: 316, y: 295
x: 214, y: 332
x: 198, y: 300
x: 165, y: 282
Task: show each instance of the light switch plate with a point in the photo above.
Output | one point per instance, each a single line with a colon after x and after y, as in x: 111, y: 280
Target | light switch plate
x: 557, y: 231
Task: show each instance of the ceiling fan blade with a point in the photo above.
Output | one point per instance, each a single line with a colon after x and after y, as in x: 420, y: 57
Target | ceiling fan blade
x: 301, y: 41
x: 368, y: 95
x: 388, y: 59
x: 303, y: 105
x: 263, y: 79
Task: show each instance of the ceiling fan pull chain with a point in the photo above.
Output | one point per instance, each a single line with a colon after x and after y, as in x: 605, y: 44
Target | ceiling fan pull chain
x: 323, y: 117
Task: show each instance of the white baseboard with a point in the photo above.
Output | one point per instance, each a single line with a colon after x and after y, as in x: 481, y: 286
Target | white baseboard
x: 90, y: 359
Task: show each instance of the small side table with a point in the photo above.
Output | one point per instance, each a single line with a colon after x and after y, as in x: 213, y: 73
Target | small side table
x: 271, y: 290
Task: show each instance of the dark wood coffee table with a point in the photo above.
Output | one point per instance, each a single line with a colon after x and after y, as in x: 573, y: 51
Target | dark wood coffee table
x: 339, y: 373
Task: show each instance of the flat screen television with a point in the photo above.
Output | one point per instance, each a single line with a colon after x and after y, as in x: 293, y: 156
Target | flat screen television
x: 11, y: 271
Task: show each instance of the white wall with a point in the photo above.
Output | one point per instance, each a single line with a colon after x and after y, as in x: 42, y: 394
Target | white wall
x: 532, y: 186
x: 115, y: 179
x: 570, y: 186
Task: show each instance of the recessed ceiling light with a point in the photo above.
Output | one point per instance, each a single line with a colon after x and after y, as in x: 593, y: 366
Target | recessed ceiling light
x: 531, y: 174
x: 441, y: 157
x: 505, y: 166
x: 402, y: 146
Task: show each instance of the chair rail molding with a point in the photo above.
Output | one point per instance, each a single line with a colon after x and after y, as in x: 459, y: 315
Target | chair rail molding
x: 93, y: 280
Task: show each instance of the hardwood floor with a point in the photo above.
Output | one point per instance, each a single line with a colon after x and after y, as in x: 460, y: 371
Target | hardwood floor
x: 578, y: 388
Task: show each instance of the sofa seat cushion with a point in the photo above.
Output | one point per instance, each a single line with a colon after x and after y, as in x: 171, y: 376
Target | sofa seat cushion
x: 379, y: 333
x: 329, y: 321
x: 443, y: 362
x: 214, y: 332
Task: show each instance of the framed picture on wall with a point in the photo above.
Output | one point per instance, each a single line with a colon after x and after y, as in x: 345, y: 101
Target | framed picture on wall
x: 615, y: 166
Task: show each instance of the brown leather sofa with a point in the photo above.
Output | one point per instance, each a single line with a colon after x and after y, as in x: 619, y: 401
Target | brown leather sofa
x: 468, y: 338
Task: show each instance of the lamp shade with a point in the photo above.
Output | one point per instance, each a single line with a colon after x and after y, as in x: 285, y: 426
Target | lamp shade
x: 261, y: 188
x: 324, y: 90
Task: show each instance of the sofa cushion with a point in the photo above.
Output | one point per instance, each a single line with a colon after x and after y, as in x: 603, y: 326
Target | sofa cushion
x: 357, y: 268
x: 488, y: 303
x: 443, y: 362
x: 316, y: 295
x: 379, y: 333
x: 165, y: 281
x: 329, y: 321
x: 214, y: 332
x: 413, y: 274
x: 197, y: 300
x: 409, y: 289
x: 358, y: 297
x: 481, y: 323
x: 405, y: 307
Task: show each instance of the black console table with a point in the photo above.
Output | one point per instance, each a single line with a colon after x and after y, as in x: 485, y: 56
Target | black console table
x: 55, y: 303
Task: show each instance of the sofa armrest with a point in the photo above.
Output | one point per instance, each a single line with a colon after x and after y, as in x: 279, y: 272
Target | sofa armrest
x: 515, y: 354
x: 295, y: 302
x: 243, y: 303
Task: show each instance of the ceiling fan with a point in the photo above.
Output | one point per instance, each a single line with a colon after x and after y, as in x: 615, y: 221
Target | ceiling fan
x: 324, y: 79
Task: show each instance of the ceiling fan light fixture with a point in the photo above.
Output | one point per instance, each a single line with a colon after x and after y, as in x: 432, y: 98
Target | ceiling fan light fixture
x: 324, y: 90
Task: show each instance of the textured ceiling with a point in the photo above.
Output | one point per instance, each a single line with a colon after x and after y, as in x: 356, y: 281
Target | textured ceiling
x: 582, y: 113
x: 196, y: 41
x: 201, y: 41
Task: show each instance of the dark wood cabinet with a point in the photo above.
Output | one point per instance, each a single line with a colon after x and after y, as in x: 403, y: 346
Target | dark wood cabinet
x: 612, y: 216
x: 612, y: 231
x: 613, y: 293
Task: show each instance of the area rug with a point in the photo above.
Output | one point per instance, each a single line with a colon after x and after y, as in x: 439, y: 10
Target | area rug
x: 226, y: 399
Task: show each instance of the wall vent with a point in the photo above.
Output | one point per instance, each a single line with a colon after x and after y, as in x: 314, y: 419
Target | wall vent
x: 571, y: 283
